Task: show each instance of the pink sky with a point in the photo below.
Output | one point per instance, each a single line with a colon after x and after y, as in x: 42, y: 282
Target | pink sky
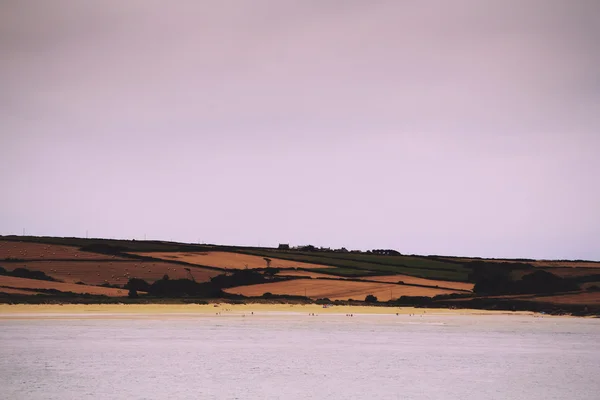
x: 430, y: 127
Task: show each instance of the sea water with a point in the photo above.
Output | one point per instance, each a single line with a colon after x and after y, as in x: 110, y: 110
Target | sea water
x: 299, y: 356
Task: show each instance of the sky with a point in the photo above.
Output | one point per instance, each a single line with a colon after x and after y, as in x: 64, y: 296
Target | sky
x: 457, y: 127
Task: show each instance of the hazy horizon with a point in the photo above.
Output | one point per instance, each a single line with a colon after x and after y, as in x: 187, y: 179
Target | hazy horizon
x: 454, y: 128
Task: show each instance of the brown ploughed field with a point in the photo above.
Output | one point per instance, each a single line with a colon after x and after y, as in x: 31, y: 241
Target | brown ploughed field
x: 24, y: 283
x: 411, y: 280
x: 112, y: 272
x: 40, y: 251
x: 18, y: 291
x: 226, y: 260
x: 336, y: 289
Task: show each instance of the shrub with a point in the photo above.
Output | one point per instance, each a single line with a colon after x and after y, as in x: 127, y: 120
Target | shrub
x: 371, y: 299
x: 137, y: 284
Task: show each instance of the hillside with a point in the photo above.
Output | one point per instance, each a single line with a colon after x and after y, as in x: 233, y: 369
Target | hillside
x: 163, y: 268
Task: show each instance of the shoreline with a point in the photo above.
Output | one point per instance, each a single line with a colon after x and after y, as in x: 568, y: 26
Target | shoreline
x: 42, y: 311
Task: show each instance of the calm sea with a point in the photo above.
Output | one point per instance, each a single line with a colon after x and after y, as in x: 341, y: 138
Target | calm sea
x: 301, y: 357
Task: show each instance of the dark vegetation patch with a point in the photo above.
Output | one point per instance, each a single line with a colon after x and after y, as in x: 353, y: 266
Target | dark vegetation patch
x: 29, y: 274
x: 166, y: 287
x: 271, y: 296
x: 496, y: 279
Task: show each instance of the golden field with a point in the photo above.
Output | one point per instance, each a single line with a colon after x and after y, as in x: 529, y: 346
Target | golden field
x: 18, y: 291
x: 336, y: 289
x: 411, y: 280
x: 226, y: 260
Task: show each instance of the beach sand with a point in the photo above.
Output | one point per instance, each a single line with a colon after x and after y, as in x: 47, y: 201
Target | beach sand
x: 35, y: 311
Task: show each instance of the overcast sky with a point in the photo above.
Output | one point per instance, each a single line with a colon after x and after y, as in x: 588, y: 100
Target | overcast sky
x: 461, y: 127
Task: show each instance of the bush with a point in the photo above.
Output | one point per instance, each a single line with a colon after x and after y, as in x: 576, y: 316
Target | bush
x: 371, y: 299
x: 238, y: 278
x: 137, y: 284
x: 183, y: 288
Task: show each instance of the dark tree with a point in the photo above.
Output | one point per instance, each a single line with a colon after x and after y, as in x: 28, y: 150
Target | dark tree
x: 137, y: 284
x: 371, y: 299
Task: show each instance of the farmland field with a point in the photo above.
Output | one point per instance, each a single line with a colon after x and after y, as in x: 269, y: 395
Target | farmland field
x: 534, y: 263
x: 398, y: 260
x: 226, y: 260
x: 336, y: 289
x: 308, y: 274
x: 345, y: 272
x: 408, y: 265
x: 591, y: 298
x: 112, y: 272
x: 411, y: 280
x: 566, y: 272
x: 24, y: 283
x: 39, y: 251
x: 18, y: 291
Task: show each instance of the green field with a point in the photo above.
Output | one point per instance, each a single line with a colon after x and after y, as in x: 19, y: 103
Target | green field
x: 344, y: 272
x: 372, y: 264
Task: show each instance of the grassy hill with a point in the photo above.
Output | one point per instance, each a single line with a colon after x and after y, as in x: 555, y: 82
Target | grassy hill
x: 239, y: 273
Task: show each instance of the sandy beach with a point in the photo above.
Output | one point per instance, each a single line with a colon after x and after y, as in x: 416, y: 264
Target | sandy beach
x: 218, y: 309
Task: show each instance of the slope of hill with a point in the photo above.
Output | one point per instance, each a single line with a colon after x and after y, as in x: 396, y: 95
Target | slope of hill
x: 318, y: 273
